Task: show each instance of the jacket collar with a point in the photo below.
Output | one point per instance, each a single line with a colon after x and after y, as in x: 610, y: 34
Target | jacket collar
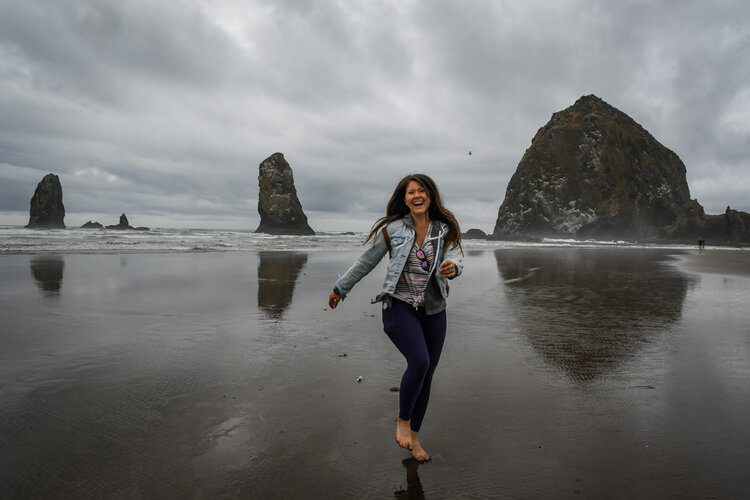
x: 409, y: 222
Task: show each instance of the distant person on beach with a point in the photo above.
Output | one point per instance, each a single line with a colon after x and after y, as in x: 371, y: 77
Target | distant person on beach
x: 701, y: 244
x: 423, y: 240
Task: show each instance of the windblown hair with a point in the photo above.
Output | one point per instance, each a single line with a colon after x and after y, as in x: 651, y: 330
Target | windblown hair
x: 397, y: 209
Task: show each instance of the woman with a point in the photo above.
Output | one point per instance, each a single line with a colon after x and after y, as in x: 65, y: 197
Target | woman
x: 423, y: 240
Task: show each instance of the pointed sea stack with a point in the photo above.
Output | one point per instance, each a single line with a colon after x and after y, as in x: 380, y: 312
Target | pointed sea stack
x: 593, y: 172
x: 47, y: 210
x: 279, y: 208
x: 125, y: 224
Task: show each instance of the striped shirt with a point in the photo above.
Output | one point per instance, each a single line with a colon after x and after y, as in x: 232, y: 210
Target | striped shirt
x: 412, y: 283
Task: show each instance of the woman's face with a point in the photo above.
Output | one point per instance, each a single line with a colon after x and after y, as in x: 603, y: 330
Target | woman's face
x: 417, y: 198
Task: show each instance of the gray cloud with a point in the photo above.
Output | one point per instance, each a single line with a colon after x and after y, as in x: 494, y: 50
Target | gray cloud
x: 164, y: 110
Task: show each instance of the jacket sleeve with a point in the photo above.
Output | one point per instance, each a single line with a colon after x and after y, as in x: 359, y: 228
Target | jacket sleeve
x: 455, y: 255
x: 363, y: 265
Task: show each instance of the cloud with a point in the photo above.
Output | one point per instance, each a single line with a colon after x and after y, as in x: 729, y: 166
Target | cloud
x: 166, y: 108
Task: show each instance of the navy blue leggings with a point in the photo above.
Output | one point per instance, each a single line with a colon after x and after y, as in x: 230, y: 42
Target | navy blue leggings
x: 420, y: 339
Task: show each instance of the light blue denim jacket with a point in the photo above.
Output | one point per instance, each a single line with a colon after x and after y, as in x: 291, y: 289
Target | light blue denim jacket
x: 402, y: 237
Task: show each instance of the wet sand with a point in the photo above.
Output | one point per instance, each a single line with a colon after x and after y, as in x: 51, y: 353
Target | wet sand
x: 717, y: 261
x: 567, y: 373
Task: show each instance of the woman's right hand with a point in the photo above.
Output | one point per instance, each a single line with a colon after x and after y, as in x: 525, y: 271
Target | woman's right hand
x: 333, y: 300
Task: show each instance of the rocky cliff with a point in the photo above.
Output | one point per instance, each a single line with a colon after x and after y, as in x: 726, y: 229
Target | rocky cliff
x: 730, y: 228
x: 279, y: 208
x: 592, y: 171
x: 47, y: 210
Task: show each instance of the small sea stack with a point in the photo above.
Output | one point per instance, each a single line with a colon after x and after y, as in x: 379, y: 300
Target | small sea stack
x: 125, y: 224
x: 475, y: 234
x: 47, y: 210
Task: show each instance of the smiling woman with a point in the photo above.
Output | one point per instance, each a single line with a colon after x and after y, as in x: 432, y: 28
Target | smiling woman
x: 423, y: 240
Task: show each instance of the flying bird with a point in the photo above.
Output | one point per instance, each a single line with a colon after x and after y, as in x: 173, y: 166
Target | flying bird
x: 470, y: 152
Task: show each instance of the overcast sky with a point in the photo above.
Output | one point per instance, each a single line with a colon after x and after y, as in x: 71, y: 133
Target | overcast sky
x: 164, y: 109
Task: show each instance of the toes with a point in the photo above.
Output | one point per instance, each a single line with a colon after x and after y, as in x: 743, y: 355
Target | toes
x: 403, y: 443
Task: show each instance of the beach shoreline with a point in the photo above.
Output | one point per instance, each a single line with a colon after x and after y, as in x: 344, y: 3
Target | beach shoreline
x: 731, y: 262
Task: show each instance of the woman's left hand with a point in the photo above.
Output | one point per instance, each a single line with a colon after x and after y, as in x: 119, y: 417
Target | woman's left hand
x: 448, y: 269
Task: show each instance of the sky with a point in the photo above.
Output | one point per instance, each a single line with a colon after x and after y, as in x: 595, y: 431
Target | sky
x: 163, y: 110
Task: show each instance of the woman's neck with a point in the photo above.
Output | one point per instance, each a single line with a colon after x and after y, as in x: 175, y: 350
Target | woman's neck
x: 420, y: 220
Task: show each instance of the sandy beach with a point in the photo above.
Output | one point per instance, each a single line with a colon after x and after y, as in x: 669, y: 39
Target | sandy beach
x: 731, y: 262
x: 567, y: 373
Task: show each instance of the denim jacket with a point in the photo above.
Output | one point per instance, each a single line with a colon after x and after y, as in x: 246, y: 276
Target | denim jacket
x: 402, y: 237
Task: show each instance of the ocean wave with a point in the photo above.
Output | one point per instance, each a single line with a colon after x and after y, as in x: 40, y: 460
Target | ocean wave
x: 18, y: 240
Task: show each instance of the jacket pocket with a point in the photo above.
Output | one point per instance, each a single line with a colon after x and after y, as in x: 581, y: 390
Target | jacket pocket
x: 397, y: 241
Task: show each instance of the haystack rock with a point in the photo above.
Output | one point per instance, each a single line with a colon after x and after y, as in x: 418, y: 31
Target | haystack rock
x: 47, y: 210
x: 279, y: 208
x: 593, y: 172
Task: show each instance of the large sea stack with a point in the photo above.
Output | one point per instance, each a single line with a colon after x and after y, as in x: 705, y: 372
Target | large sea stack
x: 279, y: 208
x: 592, y: 171
x: 47, y: 210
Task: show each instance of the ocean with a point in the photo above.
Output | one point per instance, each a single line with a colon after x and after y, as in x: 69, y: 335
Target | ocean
x: 18, y: 240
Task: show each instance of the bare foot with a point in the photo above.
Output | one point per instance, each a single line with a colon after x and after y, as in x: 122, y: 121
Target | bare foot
x: 403, y: 434
x: 417, y: 451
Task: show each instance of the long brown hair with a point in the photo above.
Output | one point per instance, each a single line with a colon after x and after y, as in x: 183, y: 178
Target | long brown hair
x: 397, y: 209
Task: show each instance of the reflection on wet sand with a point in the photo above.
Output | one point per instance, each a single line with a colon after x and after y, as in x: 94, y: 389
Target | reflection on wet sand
x: 414, y: 490
x: 277, y: 277
x: 48, y: 273
x: 585, y: 310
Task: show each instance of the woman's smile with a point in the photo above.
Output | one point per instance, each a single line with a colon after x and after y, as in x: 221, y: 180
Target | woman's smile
x: 417, y: 198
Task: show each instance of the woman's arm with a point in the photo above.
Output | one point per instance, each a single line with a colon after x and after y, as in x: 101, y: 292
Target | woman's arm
x: 363, y: 265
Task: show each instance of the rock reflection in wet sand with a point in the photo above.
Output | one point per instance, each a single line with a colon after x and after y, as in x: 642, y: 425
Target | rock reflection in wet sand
x: 586, y: 310
x: 277, y: 277
x: 48, y: 273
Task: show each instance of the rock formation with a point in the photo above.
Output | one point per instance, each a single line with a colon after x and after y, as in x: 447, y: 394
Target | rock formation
x: 279, y: 208
x: 730, y: 228
x: 47, y: 210
x: 592, y: 171
x: 475, y: 234
x: 124, y: 224
x: 92, y: 225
